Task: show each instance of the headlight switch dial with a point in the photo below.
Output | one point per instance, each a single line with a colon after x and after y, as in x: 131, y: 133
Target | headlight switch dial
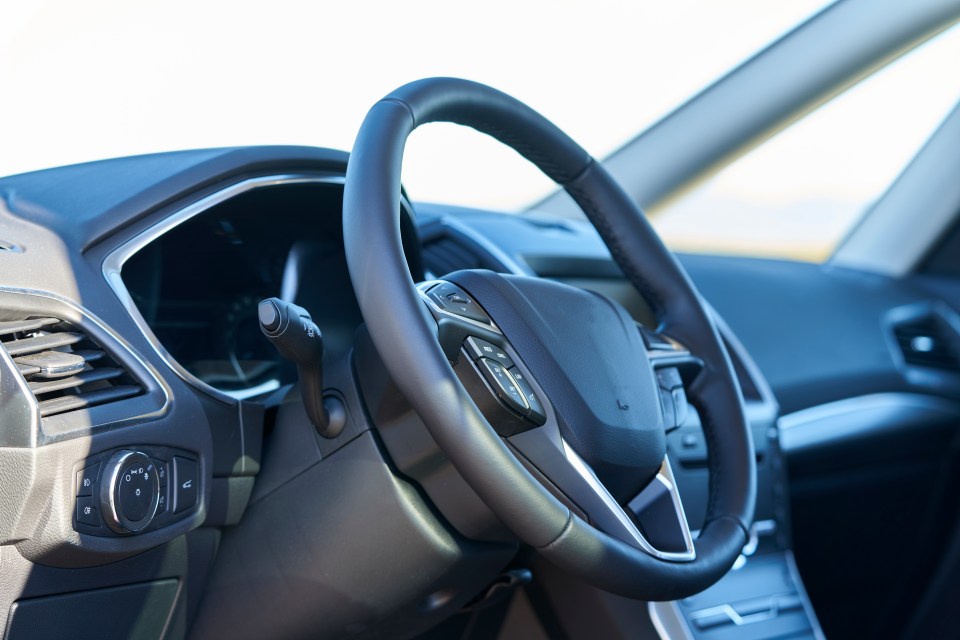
x: 129, y: 491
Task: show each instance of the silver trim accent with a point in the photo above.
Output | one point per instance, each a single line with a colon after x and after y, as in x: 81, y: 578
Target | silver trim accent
x: 736, y: 618
x: 859, y: 417
x: 665, y: 477
x: 113, y: 263
x: 671, y: 623
x: 668, y: 620
x: 757, y: 529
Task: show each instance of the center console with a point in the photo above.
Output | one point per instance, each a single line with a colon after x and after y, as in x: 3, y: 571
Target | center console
x: 763, y: 595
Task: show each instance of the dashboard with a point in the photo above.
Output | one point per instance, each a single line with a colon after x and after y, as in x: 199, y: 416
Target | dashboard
x: 160, y: 262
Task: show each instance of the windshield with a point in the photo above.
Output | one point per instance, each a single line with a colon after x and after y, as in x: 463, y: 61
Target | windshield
x: 99, y: 79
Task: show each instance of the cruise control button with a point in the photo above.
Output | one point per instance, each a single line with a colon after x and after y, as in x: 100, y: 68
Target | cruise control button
x: 455, y: 300
x: 669, y: 409
x: 669, y: 379
x: 86, y: 478
x: 186, y: 481
x: 482, y: 349
x: 502, y: 382
x: 680, y: 405
x: 536, y: 412
x: 87, y: 512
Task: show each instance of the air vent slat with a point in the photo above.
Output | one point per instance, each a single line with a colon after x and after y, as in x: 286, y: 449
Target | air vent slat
x: 89, y: 355
x: 85, y: 377
x: 27, y: 370
x: 24, y: 326
x: 88, y: 399
x: 63, y: 367
x: 45, y: 342
x: 53, y: 364
x: 928, y: 341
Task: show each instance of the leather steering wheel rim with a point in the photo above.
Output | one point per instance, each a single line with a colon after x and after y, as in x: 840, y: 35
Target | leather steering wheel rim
x: 405, y: 335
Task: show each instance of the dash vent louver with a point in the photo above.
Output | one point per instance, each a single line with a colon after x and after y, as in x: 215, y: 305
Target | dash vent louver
x: 64, y: 368
x: 928, y: 342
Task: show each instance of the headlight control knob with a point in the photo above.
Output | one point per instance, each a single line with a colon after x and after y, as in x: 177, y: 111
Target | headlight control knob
x: 129, y: 491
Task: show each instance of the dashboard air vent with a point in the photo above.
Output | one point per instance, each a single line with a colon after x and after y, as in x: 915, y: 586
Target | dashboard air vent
x: 63, y: 367
x: 445, y: 255
x: 927, y: 342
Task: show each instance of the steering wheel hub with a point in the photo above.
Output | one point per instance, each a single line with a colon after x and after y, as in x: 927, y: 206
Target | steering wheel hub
x: 587, y: 354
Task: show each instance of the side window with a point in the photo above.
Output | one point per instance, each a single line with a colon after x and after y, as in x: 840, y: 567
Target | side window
x: 798, y: 193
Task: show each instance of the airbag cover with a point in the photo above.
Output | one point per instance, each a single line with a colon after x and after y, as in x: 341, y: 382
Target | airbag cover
x: 586, y: 353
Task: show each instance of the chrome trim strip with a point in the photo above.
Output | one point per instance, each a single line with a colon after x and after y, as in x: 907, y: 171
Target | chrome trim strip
x: 665, y: 477
x: 668, y: 620
x: 859, y: 417
x: 757, y: 529
x: 672, y: 624
x: 113, y: 263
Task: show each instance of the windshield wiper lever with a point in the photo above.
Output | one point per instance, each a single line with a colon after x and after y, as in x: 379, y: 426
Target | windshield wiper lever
x: 292, y: 331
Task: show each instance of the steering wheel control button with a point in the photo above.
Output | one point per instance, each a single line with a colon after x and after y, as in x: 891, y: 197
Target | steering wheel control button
x: 669, y: 409
x: 535, y: 412
x: 680, y: 406
x: 669, y: 379
x: 186, y: 481
x: 129, y: 491
x: 87, y: 511
x: 654, y: 341
x: 504, y: 385
x: 455, y: 300
x: 673, y: 399
x: 86, y: 479
x: 478, y: 348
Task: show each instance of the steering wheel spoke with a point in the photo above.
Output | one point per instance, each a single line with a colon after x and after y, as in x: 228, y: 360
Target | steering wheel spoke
x: 653, y: 521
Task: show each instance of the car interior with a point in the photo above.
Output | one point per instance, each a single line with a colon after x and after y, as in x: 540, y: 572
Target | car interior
x: 266, y: 392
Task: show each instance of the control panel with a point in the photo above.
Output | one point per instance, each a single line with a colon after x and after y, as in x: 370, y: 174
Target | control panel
x: 508, y: 383
x: 485, y: 361
x: 136, y: 489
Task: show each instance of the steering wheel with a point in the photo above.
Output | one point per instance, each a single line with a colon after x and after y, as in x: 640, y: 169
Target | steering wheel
x: 572, y: 457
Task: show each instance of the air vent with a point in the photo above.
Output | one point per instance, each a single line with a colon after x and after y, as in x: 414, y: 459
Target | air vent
x: 928, y: 341
x: 446, y: 255
x: 451, y: 251
x: 63, y: 367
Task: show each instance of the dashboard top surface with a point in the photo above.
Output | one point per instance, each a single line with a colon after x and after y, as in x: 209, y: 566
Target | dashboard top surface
x: 817, y: 333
